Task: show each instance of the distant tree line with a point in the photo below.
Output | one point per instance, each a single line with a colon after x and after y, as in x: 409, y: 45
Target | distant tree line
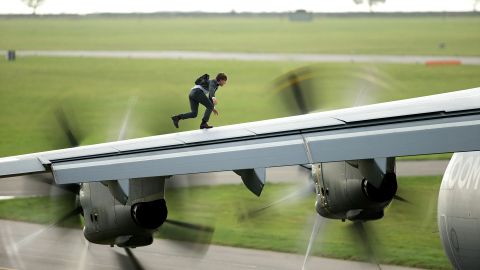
x: 370, y: 3
x: 34, y: 4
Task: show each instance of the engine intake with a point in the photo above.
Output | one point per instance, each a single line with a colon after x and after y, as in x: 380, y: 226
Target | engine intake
x: 385, y: 192
x: 150, y: 215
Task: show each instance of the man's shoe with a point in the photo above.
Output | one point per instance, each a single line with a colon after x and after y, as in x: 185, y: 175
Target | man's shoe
x: 175, y: 120
x: 205, y: 125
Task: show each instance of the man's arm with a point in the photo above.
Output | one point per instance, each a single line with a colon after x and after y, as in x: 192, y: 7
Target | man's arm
x: 212, y: 88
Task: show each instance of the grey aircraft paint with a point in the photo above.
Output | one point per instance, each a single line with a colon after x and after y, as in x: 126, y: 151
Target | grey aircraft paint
x: 459, y: 210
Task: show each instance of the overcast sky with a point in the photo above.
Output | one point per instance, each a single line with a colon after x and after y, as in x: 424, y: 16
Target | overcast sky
x: 93, y: 6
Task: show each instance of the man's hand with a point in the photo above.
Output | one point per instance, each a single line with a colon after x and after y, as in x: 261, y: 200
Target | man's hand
x: 215, y: 102
x: 215, y: 111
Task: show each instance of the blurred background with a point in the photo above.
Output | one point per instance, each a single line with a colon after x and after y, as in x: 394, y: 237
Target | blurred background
x: 92, y: 58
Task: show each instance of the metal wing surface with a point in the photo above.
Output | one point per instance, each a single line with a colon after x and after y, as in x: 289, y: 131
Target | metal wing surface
x: 434, y: 124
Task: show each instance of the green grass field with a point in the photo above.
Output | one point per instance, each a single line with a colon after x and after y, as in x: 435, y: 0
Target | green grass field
x: 346, y: 35
x: 96, y: 92
x: 408, y: 234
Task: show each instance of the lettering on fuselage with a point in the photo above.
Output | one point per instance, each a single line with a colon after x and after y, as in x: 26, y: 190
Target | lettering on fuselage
x: 463, y: 171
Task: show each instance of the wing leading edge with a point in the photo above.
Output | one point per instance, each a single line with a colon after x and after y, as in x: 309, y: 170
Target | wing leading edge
x: 434, y: 124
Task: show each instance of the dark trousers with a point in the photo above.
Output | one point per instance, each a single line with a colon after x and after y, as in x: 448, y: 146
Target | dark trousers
x: 197, y: 96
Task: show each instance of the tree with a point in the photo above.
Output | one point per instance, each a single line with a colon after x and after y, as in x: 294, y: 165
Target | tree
x: 34, y: 4
x: 370, y: 3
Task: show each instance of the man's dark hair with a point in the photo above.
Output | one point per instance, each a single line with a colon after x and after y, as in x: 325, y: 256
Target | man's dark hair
x: 221, y: 76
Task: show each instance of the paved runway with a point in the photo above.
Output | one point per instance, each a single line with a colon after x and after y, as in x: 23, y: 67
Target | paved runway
x: 241, y: 56
x: 62, y: 248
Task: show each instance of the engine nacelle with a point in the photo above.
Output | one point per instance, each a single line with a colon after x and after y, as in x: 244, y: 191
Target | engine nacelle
x: 343, y: 191
x: 109, y: 222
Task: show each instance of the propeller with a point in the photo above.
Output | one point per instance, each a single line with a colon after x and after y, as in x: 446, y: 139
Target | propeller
x: 319, y: 223
x: 191, y: 237
x: 366, y: 83
x: 400, y: 198
x: 69, y: 194
x: 302, y: 192
x: 300, y: 89
x: 122, y: 135
x: 296, y: 90
x: 66, y: 127
x: 194, y: 236
x: 191, y: 226
x: 366, y: 240
x: 129, y: 261
x: 63, y: 197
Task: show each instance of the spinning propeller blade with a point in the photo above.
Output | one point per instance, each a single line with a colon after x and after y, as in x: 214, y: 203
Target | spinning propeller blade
x: 299, y: 193
x: 191, y: 226
x: 360, y: 230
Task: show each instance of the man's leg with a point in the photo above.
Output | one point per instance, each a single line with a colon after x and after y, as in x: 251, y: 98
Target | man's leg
x: 192, y: 114
x: 206, y: 115
x: 193, y: 109
x: 202, y: 98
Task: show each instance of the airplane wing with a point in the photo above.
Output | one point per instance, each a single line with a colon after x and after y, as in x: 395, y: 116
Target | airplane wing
x: 434, y: 124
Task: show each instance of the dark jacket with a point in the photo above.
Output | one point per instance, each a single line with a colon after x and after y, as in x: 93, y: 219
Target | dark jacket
x: 212, y: 88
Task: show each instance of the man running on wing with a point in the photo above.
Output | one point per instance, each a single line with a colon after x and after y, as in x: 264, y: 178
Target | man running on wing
x: 198, y: 95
